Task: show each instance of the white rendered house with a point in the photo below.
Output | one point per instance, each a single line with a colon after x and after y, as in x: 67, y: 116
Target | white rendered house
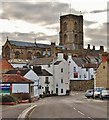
x: 58, y: 67
x: 79, y: 69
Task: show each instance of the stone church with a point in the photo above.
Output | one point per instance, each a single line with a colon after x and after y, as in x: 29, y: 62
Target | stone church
x: 70, y: 42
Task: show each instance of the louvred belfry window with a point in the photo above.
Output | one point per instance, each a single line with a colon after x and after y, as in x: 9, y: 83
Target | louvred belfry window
x: 75, y: 75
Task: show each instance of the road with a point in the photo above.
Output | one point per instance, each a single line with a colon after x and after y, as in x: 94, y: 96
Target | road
x: 74, y: 106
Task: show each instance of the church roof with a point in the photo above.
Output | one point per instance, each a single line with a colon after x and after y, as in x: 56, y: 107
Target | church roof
x: 27, y: 44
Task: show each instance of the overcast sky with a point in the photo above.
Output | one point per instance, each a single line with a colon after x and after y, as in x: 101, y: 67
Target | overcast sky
x: 27, y: 21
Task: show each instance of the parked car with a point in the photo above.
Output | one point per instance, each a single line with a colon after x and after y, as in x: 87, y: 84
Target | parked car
x: 89, y: 93
x: 97, y: 91
x: 104, y: 94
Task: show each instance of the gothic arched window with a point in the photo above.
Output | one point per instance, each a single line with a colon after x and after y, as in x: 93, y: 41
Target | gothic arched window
x: 75, y: 26
x: 76, y: 37
x: 7, y: 52
x: 38, y: 54
x: 65, y: 26
x: 17, y: 55
x: 65, y: 38
x: 29, y: 55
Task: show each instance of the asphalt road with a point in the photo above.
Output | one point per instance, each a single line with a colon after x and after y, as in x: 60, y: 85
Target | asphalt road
x: 74, y: 106
x: 12, y: 112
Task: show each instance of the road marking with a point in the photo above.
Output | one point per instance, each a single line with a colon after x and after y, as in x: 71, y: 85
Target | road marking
x: 90, y: 118
x: 80, y: 112
x: 25, y: 112
x: 74, y: 108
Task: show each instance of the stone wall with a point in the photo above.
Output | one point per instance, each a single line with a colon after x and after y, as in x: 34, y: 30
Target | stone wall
x: 102, y: 75
x: 81, y: 85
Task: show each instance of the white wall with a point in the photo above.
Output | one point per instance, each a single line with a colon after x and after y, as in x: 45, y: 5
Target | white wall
x: 85, y: 74
x: 43, y: 84
x: 61, y: 75
x: 18, y: 65
x: 18, y: 88
x: 31, y: 75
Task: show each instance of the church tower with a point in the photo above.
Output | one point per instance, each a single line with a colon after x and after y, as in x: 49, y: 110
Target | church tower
x: 71, y: 31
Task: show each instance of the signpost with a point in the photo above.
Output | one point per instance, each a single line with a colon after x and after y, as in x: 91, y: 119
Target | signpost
x: 4, y: 89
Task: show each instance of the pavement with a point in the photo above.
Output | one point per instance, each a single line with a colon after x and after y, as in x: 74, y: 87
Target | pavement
x: 16, y: 112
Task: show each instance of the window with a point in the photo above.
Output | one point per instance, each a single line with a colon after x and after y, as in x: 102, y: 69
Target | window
x: 47, y: 80
x: 61, y: 90
x: 76, y: 37
x: 48, y: 65
x: 65, y: 38
x: 75, y: 26
x: 75, y: 75
x: 69, y: 61
x: 29, y: 55
x: 65, y: 26
x: 7, y: 52
x: 91, y: 76
x: 103, y: 67
x: 84, y: 76
x: 61, y: 80
x: 80, y: 76
x: 61, y: 69
x: 74, y: 69
x: 17, y: 55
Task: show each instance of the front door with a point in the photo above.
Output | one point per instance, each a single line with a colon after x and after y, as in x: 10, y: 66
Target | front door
x: 46, y: 89
x: 57, y: 91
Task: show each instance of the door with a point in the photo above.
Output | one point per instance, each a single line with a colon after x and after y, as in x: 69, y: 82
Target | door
x: 57, y: 91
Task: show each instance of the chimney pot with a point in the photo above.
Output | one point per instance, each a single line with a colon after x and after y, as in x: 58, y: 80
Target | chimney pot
x: 93, y: 47
x: 88, y: 46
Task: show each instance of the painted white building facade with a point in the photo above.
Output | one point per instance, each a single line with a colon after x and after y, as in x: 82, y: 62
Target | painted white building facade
x: 59, y: 69
x: 79, y: 72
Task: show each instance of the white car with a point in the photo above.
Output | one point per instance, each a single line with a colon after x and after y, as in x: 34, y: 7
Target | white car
x: 89, y: 93
x: 104, y: 94
x: 97, y: 91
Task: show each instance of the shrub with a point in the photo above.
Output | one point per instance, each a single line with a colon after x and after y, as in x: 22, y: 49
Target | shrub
x: 7, y: 98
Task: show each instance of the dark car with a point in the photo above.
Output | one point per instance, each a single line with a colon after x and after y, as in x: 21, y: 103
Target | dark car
x: 89, y: 93
x: 104, y: 94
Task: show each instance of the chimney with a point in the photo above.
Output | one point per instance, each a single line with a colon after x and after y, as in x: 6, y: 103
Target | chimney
x: 102, y: 48
x: 93, y: 47
x: 52, y: 43
x: 60, y: 56
x: 88, y: 46
x: 104, y: 57
x: 37, y: 69
x: 18, y: 72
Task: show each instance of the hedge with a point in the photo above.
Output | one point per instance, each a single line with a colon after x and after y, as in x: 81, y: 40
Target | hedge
x: 7, y: 98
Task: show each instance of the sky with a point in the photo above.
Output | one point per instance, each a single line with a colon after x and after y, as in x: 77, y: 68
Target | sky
x: 30, y: 20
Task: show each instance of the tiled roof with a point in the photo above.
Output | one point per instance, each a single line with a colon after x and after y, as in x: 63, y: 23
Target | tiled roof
x: 28, y: 44
x: 90, y: 65
x: 5, y: 66
x: 41, y: 61
x: 44, y: 73
x: 14, y: 78
x: 79, y: 61
x: 22, y: 71
x: 57, y: 62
